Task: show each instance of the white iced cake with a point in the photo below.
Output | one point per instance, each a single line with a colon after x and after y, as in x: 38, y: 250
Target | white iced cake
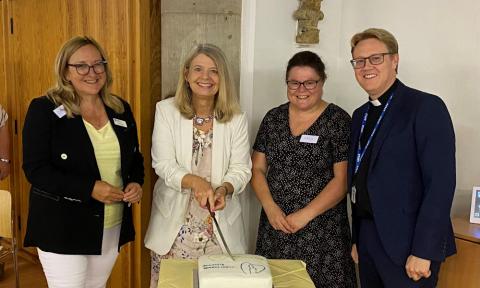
x: 246, y: 271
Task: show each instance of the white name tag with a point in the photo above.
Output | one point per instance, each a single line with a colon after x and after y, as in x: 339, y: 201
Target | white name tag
x: 60, y: 111
x: 119, y: 122
x: 309, y: 139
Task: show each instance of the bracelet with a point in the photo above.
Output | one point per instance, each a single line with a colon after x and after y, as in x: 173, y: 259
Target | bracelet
x: 224, y: 187
x: 4, y: 160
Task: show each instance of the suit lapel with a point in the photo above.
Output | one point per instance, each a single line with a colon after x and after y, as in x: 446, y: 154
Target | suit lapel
x: 186, y: 140
x: 85, y: 143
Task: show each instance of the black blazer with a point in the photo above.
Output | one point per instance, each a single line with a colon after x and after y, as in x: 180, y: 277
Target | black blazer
x: 411, y: 177
x: 59, y: 162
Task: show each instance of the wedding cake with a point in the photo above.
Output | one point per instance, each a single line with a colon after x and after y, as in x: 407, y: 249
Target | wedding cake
x: 215, y: 271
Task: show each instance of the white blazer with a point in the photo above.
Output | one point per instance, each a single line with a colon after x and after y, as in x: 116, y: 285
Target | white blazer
x: 172, y: 157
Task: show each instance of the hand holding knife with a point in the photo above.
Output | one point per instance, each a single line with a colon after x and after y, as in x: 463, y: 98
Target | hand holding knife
x: 220, y: 231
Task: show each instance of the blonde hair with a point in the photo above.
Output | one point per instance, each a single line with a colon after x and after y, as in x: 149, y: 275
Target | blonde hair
x: 63, y: 92
x: 381, y: 35
x: 226, y: 100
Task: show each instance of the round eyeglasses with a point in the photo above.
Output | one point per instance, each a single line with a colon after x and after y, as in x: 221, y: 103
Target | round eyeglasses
x: 309, y: 84
x: 83, y: 68
x: 375, y: 59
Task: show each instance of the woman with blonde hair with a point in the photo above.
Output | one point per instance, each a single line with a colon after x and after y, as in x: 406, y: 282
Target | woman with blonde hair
x: 81, y: 155
x: 200, y: 151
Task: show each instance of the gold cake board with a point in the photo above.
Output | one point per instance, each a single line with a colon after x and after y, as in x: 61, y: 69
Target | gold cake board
x: 177, y: 273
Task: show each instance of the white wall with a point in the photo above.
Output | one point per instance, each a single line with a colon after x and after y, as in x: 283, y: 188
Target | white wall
x: 439, y: 44
x: 274, y: 44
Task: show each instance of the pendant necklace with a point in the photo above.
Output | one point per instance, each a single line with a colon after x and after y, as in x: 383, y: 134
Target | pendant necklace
x: 199, y: 121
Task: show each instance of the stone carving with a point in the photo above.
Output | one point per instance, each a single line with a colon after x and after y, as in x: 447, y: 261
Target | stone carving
x: 308, y: 14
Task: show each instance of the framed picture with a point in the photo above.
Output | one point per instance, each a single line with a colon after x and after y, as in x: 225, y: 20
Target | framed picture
x: 475, y: 206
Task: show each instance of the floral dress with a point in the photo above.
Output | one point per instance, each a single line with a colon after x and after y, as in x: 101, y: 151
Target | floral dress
x: 196, y: 236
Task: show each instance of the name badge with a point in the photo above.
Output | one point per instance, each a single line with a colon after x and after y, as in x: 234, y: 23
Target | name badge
x: 119, y: 122
x: 60, y: 111
x: 353, y: 196
x: 309, y: 139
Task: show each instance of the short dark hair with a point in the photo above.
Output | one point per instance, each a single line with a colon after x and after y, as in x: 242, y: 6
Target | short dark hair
x: 308, y: 59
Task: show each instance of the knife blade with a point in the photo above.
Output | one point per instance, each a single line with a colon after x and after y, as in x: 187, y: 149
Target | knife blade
x: 212, y: 214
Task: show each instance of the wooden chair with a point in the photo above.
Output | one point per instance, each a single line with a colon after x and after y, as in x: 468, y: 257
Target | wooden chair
x: 7, y: 230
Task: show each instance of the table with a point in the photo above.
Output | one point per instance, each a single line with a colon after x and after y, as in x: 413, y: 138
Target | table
x: 178, y: 273
x: 461, y: 269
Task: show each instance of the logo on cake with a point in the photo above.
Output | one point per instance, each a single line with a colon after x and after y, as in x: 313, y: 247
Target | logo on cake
x: 250, y: 268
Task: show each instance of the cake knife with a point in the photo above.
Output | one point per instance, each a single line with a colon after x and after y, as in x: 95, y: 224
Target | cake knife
x: 219, y: 231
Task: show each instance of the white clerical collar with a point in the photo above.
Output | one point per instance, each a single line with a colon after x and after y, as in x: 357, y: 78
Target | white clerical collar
x: 376, y: 103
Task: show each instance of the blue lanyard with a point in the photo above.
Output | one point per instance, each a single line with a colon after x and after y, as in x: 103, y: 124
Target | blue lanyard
x: 360, y: 151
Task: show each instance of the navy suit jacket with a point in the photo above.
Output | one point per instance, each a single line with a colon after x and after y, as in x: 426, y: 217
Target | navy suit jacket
x: 411, y: 177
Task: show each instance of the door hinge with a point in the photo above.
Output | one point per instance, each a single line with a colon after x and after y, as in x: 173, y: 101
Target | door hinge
x: 19, y: 223
x: 15, y: 127
x: 11, y: 25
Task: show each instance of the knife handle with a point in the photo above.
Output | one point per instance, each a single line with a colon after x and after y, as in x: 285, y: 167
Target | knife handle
x: 211, y: 212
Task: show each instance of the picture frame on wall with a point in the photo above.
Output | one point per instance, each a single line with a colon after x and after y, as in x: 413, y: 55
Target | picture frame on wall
x: 475, y: 205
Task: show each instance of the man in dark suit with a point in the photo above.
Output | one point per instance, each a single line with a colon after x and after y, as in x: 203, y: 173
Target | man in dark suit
x: 401, y: 173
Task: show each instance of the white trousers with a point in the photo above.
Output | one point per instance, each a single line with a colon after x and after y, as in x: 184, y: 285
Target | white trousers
x: 82, y: 271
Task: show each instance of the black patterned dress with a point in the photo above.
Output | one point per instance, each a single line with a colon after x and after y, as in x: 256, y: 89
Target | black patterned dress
x: 297, y: 173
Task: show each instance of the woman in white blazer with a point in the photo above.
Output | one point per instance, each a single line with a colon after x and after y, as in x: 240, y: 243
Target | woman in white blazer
x: 201, y: 153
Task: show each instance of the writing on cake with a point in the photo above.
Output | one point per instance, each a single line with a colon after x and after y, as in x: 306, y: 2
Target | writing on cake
x: 242, y: 271
x: 250, y: 268
x: 217, y: 266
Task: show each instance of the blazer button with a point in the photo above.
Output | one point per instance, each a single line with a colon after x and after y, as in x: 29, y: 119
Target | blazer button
x: 64, y: 156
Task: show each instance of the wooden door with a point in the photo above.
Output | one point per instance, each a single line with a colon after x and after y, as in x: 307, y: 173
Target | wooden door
x: 39, y: 30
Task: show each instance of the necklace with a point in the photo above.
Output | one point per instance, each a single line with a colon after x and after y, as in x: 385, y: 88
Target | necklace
x: 198, y: 120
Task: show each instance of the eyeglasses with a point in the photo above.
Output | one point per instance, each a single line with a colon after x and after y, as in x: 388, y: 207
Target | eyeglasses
x: 375, y: 59
x: 309, y: 84
x: 83, y: 69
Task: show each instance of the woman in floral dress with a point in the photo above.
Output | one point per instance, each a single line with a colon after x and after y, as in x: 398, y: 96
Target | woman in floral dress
x: 200, y: 151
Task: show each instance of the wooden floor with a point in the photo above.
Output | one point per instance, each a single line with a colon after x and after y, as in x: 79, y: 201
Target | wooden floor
x: 31, y: 275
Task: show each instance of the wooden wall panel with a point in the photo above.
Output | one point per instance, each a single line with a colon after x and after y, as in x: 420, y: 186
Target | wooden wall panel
x: 148, y: 91
x: 106, y: 21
